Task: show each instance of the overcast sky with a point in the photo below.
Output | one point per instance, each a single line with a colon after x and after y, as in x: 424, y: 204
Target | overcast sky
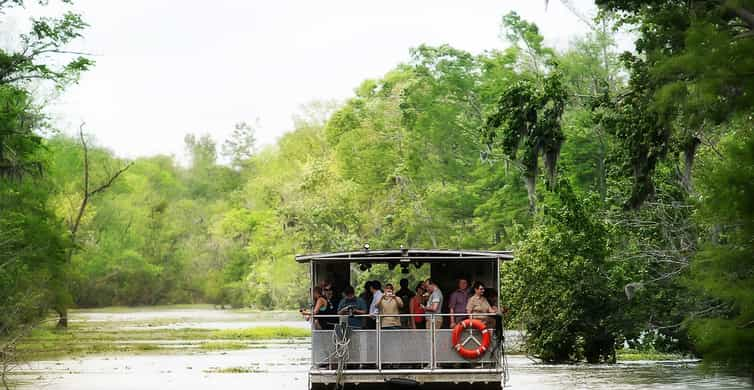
x: 167, y: 68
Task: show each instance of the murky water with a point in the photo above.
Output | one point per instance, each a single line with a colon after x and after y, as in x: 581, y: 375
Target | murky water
x: 525, y: 374
x: 199, y: 317
x: 285, y: 368
x: 282, y: 366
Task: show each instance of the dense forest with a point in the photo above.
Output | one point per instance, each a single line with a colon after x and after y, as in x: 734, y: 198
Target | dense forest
x: 622, y: 181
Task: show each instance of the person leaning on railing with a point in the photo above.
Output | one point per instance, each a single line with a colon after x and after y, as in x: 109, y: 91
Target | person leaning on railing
x: 320, y: 307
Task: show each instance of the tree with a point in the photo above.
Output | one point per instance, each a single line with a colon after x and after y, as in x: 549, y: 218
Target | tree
x: 88, y: 191
x: 562, y: 285
x: 41, y: 56
x: 32, y: 263
x: 695, y: 67
x: 528, y: 118
x: 239, y: 148
x: 525, y: 36
x: 643, y: 132
x: 724, y: 266
x: 35, y: 272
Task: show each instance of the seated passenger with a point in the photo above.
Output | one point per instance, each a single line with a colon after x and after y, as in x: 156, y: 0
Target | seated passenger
x: 457, y: 302
x: 406, y: 295
x: 320, y: 306
x: 478, y: 304
x: 434, y: 303
x: 351, y: 305
x: 390, y: 304
x: 415, y: 307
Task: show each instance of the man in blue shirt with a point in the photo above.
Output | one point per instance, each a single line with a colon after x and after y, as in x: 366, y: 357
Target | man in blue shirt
x: 351, y: 304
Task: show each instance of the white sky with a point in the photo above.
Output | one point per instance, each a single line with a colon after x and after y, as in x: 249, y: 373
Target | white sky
x: 167, y: 68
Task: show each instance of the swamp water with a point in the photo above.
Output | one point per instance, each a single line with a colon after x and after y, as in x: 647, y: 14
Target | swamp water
x: 283, y: 364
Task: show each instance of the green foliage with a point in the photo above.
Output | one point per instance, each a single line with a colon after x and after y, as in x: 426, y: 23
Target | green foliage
x: 562, y: 285
x: 261, y: 333
x: 32, y: 241
x: 32, y: 254
x: 239, y: 148
x: 19, y: 142
x: 529, y: 118
x: 640, y: 129
x: 724, y: 267
x: 525, y: 35
x: 443, y: 151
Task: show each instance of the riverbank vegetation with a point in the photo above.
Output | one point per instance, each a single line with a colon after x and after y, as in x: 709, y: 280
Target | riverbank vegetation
x: 622, y: 181
x: 46, y: 343
x: 166, y: 329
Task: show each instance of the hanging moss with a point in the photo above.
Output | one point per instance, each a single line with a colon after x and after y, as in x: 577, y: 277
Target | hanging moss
x: 528, y: 118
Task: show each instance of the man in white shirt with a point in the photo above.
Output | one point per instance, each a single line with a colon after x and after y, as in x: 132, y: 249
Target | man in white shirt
x: 376, y: 288
x: 434, y: 304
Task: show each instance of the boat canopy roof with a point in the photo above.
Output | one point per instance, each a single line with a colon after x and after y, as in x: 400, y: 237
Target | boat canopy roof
x: 405, y: 255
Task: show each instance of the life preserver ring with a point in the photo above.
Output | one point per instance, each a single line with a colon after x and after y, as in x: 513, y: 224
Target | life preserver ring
x: 471, y: 353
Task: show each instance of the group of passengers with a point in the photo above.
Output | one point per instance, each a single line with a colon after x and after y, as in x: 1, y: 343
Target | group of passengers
x: 427, y: 298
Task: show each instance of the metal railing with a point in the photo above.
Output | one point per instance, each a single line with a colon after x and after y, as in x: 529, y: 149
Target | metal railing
x: 430, y: 320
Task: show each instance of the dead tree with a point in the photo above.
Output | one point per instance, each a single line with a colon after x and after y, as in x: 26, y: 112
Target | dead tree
x: 88, y: 192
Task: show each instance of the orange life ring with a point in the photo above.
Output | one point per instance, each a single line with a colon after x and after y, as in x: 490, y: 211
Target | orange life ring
x: 471, y: 353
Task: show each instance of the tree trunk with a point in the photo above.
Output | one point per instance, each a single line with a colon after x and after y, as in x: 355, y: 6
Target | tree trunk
x: 531, y: 181
x: 601, y: 174
x: 601, y: 180
x: 689, y: 152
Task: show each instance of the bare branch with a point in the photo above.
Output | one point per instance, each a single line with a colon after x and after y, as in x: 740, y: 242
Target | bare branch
x: 85, y: 199
x: 112, y: 179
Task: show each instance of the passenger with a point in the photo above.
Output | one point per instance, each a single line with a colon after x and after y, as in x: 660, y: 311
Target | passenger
x: 479, y: 304
x: 366, y: 295
x: 320, y: 306
x: 351, y: 305
x: 375, y: 288
x: 331, y: 311
x: 406, y: 295
x: 458, y: 301
x: 415, y: 307
x: 390, y: 304
x: 491, y: 295
x: 325, y: 284
x: 434, y: 304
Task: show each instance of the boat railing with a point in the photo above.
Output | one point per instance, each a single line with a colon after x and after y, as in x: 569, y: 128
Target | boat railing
x: 405, y: 345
